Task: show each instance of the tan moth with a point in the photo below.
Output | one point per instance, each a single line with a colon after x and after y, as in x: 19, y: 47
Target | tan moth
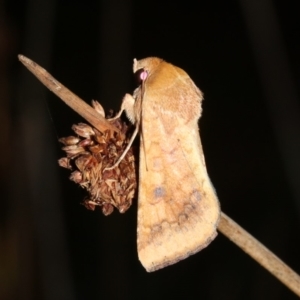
x: 178, y: 210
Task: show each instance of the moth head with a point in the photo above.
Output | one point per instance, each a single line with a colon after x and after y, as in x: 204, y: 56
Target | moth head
x: 140, y: 76
x: 149, y: 64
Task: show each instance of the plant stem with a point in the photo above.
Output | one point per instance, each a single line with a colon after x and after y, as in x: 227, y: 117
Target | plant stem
x: 72, y: 100
x: 260, y: 253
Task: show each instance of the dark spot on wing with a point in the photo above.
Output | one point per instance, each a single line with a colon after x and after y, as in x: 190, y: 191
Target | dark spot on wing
x: 159, y: 192
x: 196, y: 195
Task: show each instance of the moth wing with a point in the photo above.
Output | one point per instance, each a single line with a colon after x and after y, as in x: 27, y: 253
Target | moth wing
x: 178, y: 210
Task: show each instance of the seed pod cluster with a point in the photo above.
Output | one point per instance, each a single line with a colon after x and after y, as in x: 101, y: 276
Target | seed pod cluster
x: 89, y: 153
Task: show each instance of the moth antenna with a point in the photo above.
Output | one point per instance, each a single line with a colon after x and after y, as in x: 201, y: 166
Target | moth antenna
x: 142, y: 135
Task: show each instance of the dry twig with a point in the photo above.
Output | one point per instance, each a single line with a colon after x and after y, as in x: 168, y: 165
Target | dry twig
x: 226, y: 226
x: 77, y: 104
x: 260, y: 253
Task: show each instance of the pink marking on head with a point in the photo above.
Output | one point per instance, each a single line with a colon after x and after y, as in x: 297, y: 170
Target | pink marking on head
x: 144, y: 75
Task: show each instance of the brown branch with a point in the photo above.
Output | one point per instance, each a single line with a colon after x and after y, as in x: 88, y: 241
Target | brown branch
x: 77, y: 104
x: 226, y: 226
x: 260, y: 253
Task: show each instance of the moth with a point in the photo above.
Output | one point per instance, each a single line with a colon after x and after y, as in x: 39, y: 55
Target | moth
x: 178, y: 210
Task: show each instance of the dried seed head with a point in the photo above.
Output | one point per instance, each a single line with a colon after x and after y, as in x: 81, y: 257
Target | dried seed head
x: 98, y: 107
x: 89, y: 154
x: 70, y: 140
x: 65, y: 163
x: 86, y: 142
x: 83, y: 130
x: 73, y: 150
x: 76, y: 176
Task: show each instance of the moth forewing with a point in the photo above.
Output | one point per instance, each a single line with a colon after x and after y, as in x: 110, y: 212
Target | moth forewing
x: 178, y: 210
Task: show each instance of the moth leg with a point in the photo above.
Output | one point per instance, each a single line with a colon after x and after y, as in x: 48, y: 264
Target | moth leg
x: 128, y: 106
x: 125, y: 151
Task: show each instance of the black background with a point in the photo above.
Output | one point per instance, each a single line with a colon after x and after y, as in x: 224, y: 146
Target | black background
x: 245, y: 58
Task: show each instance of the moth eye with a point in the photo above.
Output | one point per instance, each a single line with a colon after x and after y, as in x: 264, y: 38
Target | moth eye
x: 140, y: 75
